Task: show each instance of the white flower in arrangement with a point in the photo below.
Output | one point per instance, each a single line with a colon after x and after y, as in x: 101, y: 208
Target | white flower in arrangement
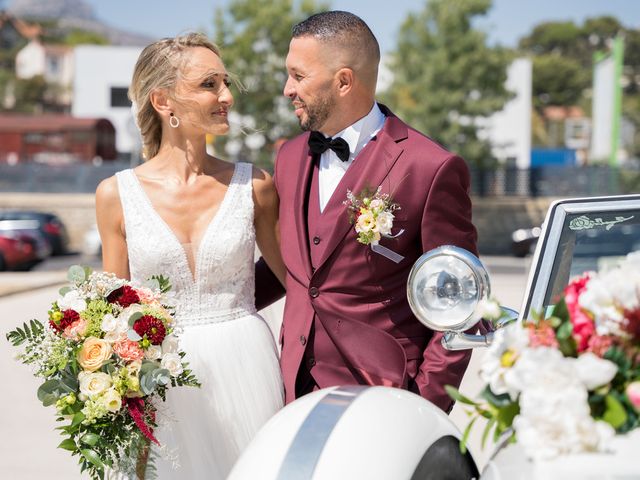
x: 594, y: 371
x: 112, y: 400
x: 170, y: 344
x: 153, y: 352
x: 384, y: 222
x: 172, y: 362
x: 508, y: 344
x: 376, y: 204
x: 72, y: 300
x: 94, y: 383
x: 109, y: 323
x: 601, y: 298
x: 366, y: 222
x: 487, y: 308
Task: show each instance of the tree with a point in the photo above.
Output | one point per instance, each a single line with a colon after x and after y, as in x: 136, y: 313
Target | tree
x: 446, y: 76
x: 254, y: 36
x: 558, y: 80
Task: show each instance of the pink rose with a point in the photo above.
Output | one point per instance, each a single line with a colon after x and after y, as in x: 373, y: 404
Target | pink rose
x: 128, y: 350
x: 583, y: 327
x: 146, y: 295
x: 76, y: 330
x: 633, y: 394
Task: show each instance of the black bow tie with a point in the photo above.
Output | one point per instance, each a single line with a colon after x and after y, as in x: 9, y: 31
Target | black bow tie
x: 319, y: 144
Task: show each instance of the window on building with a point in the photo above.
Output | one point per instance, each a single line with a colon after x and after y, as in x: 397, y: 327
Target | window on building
x: 119, y: 97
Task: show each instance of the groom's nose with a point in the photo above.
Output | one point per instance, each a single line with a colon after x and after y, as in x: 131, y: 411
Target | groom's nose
x: 288, y: 90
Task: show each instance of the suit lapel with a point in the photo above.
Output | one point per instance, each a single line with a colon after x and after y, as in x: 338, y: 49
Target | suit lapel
x: 300, y: 206
x: 368, y: 170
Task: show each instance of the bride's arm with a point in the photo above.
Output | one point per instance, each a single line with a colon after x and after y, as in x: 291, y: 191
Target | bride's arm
x: 266, y: 222
x: 110, y: 222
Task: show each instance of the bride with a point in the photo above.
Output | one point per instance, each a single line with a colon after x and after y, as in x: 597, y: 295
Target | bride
x: 195, y: 219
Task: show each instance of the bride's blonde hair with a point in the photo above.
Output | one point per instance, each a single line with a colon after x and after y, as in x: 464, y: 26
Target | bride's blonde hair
x: 159, y: 67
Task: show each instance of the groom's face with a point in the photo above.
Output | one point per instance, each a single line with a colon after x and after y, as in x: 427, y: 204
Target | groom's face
x: 310, y: 84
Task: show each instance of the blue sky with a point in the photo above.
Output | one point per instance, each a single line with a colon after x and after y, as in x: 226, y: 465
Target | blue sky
x: 507, y: 21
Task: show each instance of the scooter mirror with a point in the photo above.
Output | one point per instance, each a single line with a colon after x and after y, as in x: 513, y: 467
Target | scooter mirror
x: 444, y: 287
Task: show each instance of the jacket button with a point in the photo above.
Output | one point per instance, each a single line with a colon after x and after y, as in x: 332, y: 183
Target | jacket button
x: 316, y: 240
x: 314, y: 292
x: 303, y: 340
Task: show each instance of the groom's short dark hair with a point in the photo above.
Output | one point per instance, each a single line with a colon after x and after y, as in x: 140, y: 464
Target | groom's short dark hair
x: 342, y: 28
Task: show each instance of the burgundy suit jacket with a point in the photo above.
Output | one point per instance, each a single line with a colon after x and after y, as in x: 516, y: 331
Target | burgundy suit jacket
x: 359, y: 296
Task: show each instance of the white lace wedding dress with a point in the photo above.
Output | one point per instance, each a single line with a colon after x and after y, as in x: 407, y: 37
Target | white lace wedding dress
x: 229, y: 347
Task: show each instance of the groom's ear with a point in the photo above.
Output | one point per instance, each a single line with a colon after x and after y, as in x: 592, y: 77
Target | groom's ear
x: 345, y: 79
x: 161, y: 102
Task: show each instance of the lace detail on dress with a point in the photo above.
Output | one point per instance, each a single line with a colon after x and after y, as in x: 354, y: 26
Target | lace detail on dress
x: 222, y: 286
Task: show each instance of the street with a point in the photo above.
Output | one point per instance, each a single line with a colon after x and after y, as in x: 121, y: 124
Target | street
x: 30, y: 439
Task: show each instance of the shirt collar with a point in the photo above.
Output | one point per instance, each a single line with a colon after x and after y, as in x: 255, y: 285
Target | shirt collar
x: 359, y: 133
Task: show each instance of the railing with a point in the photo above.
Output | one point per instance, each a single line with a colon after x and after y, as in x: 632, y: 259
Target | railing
x: 534, y: 182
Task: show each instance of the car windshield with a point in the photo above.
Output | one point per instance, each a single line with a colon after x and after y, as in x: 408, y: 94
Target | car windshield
x: 579, y: 237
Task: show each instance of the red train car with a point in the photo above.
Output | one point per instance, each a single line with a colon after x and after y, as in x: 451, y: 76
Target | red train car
x: 55, y: 139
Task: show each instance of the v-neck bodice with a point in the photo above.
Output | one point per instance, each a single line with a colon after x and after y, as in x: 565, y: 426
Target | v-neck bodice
x: 221, y: 287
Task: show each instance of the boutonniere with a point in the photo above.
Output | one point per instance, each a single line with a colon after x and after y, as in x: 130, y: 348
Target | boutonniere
x: 372, y: 214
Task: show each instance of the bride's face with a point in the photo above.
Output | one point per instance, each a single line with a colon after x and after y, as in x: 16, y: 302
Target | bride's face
x: 202, y: 93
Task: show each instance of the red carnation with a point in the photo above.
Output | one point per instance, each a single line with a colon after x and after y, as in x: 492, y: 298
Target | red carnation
x: 123, y: 296
x: 152, y: 327
x: 68, y: 317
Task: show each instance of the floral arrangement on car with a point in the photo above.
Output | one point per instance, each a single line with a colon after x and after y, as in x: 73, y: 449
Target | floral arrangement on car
x: 107, y: 354
x: 569, y: 382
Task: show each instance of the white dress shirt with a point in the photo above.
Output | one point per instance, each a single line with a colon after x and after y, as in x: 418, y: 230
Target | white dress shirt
x: 332, y: 169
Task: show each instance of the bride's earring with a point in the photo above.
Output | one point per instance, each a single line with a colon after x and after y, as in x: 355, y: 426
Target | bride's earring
x: 173, y: 120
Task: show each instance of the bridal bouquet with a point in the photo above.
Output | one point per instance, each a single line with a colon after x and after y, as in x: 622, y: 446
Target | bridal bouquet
x: 569, y: 382
x: 106, y: 354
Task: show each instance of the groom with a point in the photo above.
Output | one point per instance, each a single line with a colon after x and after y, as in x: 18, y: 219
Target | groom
x: 346, y: 318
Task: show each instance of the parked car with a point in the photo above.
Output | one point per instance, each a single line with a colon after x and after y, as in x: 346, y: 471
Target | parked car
x: 28, y: 229
x: 91, y: 243
x: 48, y: 224
x: 17, y: 253
x: 524, y: 240
x: 382, y: 432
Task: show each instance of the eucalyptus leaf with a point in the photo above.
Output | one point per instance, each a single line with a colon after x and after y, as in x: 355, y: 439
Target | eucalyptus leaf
x: 64, y: 290
x: 49, y: 399
x: 50, y: 387
x: 133, y: 335
x: 134, y: 317
x: 76, y: 274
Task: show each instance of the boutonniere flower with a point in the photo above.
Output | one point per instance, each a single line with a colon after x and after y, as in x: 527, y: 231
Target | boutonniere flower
x: 372, y: 214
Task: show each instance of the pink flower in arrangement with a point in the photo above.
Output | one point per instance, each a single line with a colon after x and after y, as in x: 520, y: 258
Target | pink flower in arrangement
x: 599, y: 344
x: 76, y: 330
x: 146, y: 296
x: 583, y: 326
x: 128, y: 350
x: 542, y: 335
x: 633, y: 394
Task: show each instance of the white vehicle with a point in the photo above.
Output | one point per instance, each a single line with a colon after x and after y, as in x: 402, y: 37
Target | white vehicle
x: 385, y: 433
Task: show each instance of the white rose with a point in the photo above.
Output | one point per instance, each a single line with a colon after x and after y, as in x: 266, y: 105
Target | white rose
x: 111, y: 400
x: 72, y: 301
x: 487, y: 308
x: 154, y: 352
x: 385, y: 222
x: 594, y: 371
x: 173, y: 363
x: 170, y: 344
x: 365, y: 222
x: 376, y: 204
x: 109, y: 323
x: 95, y: 383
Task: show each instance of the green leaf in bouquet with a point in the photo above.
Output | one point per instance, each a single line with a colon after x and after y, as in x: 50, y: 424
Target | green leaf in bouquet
x: 465, y: 436
x: 614, y: 414
x: 87, y: 271
x: 162, y: 283
x: 134, y: 317
x: 457, y: 396
x: 501, y: 400
x: 30, y: 332
x: 76, y: 274
x: 50, y: 388
x: 77, y: 419
x: 93, y: 457
x: 68, y: 444
x: 133, y: 335
x: 90, y: 439
x: 506, y: 415
x: 485, y: 434
x: 560, y: 311
x: 64, y: 290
